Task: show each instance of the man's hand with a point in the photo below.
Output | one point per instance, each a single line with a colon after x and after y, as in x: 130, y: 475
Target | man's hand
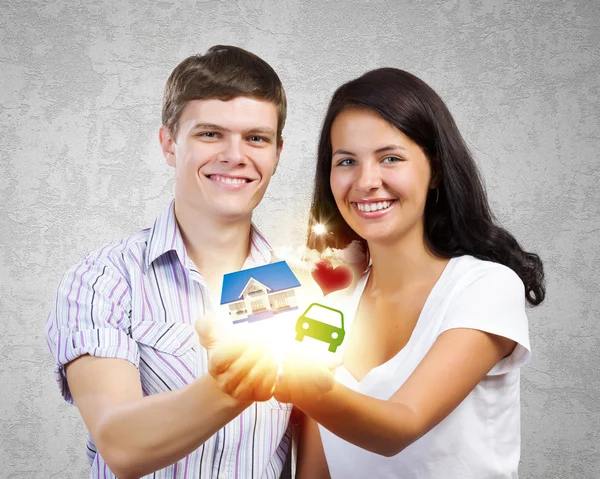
x: 303, y: 378
x: 243, y: 369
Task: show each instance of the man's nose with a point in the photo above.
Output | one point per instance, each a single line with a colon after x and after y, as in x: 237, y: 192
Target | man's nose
x: 233, y: 152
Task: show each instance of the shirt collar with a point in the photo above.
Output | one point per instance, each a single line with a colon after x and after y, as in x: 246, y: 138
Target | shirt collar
x: 165, y: 236
x: 260, y: 250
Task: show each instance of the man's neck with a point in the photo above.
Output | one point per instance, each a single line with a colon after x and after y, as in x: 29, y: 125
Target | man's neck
x: 215, y: 247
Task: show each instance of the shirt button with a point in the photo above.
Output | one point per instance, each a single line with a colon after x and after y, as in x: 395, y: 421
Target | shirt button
x: 176, y: 343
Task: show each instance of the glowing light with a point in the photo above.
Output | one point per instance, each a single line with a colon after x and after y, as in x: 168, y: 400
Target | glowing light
x: 319, y: 229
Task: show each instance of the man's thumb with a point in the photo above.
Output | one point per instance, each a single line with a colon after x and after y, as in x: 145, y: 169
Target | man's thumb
x: 208, y: 330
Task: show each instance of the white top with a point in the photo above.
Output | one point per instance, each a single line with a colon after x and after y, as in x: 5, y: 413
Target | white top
x: 481, y: 437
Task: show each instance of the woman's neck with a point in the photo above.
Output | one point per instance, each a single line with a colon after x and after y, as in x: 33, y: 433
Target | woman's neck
x: 403, y: 263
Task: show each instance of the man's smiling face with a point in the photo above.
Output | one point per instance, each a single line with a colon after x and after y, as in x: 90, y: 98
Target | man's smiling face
x: 224, y: 155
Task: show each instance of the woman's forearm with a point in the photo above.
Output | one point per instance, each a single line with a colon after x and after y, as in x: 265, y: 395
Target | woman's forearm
x: 158, y: 430
x: 312, y: 463
x: 382, y: 427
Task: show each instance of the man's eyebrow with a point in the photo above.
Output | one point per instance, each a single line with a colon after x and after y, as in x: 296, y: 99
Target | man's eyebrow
x: 210, y: 126
x: 265, y: 130
x: 378, y: 150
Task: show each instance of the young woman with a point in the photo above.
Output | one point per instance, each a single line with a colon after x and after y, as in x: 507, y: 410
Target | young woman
x: 429, y: 386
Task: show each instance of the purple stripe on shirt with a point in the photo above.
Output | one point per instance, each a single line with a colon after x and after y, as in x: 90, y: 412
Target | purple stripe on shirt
x: 170, y: 366
x: 174, y: 267
x: 143, y: 335
x: 181, y: 297
x: 69, y: 300
x: 237, y: 453
x: 184, y: 366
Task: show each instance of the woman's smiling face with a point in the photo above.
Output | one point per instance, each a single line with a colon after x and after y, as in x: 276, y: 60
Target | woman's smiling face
x: 379, y: 177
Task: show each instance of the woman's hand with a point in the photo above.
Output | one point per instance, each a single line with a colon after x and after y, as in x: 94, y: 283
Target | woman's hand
x: 305, y: 378
x: 243, y: 369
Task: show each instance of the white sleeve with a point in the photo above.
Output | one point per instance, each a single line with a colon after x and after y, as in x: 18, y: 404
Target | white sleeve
x: 494, y: 302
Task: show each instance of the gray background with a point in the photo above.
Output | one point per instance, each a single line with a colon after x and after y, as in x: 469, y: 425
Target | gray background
x: 80, y: 92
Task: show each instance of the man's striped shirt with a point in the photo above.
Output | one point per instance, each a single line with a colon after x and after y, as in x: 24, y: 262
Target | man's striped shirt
x: 137, y: 299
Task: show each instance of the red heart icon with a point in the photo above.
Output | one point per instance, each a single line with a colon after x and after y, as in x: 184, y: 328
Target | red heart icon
x: 331, y: 279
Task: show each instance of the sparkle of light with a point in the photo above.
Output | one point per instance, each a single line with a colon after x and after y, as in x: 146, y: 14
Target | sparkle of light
x: 319, y: 229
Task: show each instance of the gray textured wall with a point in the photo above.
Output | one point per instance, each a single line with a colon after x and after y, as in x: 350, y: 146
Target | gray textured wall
x: 80, y: 91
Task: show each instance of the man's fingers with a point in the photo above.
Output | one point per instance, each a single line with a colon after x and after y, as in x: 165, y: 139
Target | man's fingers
x: 207, y: 330
x: 257, y: 383
x: 282, y: 389
x: 266, y: 381
x: 222, y: 358
x: 233, y: 364
x: 213, y: 329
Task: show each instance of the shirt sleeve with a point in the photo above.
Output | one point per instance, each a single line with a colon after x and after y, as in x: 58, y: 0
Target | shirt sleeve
x: 494, y: 302
x: 90, y: 315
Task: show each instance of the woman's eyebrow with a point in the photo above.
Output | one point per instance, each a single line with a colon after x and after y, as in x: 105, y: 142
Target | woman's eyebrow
x: 383, y: 149
x: 339, y: 151
x: 390, y: 148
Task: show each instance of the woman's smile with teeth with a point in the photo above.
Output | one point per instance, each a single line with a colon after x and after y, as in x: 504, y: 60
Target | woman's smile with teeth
x: 380, y: 205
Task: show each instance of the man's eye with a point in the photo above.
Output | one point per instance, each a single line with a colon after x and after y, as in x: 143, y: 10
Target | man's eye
x: 257, y: 139
x: 209, y: 134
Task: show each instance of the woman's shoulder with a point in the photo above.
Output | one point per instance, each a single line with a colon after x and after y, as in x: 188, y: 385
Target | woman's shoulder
x: 469, y: 271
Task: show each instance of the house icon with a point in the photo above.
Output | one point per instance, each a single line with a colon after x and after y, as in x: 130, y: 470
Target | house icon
x: 259, y: 293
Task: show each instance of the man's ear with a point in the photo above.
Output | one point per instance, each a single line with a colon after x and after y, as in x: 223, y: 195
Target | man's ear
x: 167, y: 145
x: 278, y: 154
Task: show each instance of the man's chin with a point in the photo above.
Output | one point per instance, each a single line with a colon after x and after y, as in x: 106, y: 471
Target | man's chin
x: 232, y: 214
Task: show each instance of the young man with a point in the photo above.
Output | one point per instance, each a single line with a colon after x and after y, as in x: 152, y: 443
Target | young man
x: 122, y: 323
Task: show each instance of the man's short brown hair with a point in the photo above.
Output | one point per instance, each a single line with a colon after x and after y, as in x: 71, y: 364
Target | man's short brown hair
x: 224, y: 72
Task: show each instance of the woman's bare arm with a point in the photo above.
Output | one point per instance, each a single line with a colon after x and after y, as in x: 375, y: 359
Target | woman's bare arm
x: 311, y: 456
x: 456, y: 363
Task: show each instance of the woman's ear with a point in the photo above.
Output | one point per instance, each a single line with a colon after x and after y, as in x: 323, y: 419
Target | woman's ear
x: 436, y: 174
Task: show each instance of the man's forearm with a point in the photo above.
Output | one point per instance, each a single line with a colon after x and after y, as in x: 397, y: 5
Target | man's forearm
x: 158, y: 430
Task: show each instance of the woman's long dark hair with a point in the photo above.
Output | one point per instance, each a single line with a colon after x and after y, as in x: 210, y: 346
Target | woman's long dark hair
x: 458, y: 221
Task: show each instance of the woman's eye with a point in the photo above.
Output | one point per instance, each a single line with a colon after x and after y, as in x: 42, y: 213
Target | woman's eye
x: 392, y: 159
x: 346, y: 162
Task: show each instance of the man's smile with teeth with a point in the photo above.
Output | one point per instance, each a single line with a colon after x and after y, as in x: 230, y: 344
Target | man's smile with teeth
x: 229, y: 180
x: 380, y: 205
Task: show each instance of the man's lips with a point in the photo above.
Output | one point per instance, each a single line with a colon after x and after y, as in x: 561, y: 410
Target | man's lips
x: 229, y: 180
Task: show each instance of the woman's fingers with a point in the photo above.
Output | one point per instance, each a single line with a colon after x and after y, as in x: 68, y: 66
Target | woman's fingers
x: 334, y: 361
x: 305, y: 379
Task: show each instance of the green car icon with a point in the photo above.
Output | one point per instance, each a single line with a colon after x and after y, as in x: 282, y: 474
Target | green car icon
x: 323, y: 323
